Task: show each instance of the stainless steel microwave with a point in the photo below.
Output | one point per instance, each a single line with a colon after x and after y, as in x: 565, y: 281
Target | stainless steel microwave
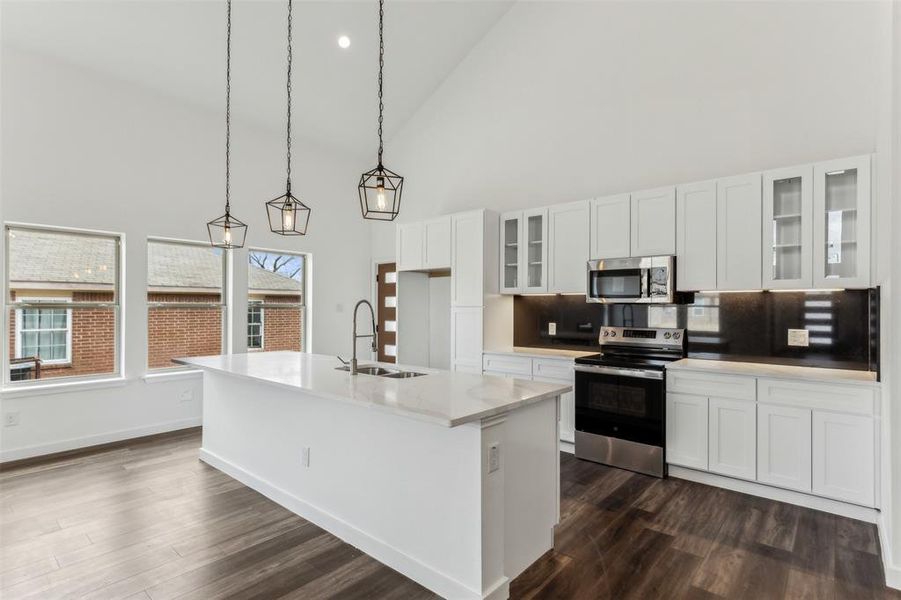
x: 648, y: 279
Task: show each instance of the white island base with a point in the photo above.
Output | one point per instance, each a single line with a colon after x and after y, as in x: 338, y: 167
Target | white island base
x: 385, y: 471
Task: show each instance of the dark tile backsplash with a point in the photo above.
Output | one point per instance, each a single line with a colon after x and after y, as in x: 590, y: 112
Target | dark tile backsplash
x: 750, y: 326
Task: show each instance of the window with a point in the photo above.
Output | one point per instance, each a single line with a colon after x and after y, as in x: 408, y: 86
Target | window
x: 185, y: 301
x: 276, y: 307
x: 254, y: 325
x: 62, y: 305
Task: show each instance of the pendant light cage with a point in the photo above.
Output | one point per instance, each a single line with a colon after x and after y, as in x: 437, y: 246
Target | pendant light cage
x: 380, y: 192
x: 288, y: 215
x: 227, y: 232
x: 380, y: 189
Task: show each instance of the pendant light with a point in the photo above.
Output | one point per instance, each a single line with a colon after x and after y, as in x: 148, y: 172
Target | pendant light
x: 287, y: 214
x: 227, y: 232
x: 380, y: 189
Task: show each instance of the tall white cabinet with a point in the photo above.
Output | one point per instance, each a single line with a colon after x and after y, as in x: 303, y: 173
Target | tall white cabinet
x: 841, y: 214
x: 738, y: 218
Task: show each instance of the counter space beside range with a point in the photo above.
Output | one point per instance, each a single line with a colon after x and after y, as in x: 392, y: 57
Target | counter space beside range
x: 532, y: 352
x: 811, y: 374
x: 442, y: 397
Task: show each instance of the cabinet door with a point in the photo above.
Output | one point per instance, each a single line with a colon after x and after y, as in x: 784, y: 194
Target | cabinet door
x: 511, y: 253
x: 466, y: 339
x: 437, y: 245
x: 696, y: 236
x: 467, y: 256
x: 533, y: 258
x: 784, y: 446
x: 844, y: 457
x: 787, y: 239
x: 654, y: 222
x: 686, y: 430
x: 409, y: 246
x: 738, y: 214
x: 569, y: 239
x: 841, y: 223
x: 733, y: 438
x: 610, y: 227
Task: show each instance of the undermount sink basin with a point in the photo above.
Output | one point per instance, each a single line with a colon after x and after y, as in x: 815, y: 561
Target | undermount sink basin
x: 382, y: 372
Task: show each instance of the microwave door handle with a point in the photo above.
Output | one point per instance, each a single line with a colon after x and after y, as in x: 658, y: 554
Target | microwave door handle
x: 646, y: 283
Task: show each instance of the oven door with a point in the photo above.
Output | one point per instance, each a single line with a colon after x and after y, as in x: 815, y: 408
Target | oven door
x: 620, y: 403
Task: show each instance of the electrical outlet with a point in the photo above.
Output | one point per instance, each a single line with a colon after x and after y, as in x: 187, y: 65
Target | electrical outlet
x: 10, y: 419
x: 186, y: 395
x: 305, y: 456
x: 494, y: 457
x: 552, y: 329
x: 798, y: 337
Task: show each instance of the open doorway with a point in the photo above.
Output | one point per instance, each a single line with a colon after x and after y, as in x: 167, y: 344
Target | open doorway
x: 386, y: 296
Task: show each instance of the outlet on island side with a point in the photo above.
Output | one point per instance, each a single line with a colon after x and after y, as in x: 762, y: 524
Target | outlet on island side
x: 305, y: 456
x: 494, y: 457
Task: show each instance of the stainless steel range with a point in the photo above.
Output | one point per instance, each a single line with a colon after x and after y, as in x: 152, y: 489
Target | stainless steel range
x: 621, y: 395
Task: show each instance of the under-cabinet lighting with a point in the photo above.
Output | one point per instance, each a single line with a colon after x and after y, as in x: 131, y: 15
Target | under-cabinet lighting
x: 817, y: 291
x: 806, y: 291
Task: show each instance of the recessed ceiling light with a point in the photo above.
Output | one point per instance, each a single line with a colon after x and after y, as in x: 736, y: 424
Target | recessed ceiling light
x: 343, y: 41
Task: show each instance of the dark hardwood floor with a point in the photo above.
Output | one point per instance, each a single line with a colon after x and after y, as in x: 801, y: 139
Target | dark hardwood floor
x: 149, y: 521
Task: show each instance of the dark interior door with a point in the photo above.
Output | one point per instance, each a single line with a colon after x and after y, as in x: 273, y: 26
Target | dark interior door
x: 387, y: 295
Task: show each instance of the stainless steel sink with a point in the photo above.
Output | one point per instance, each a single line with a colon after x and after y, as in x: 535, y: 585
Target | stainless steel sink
x: 381, y: 372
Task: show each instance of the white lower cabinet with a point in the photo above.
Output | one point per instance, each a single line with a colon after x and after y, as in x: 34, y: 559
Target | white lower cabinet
x: 733, y: 437
x: 686, y: 430
x: 784, y: 446
x: 844, y: 457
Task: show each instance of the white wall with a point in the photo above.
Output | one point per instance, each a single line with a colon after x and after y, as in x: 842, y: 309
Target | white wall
x: 83, y: 150
x: 564, y: 101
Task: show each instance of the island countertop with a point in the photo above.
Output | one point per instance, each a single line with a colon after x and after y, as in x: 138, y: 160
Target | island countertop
x: 442, y: 397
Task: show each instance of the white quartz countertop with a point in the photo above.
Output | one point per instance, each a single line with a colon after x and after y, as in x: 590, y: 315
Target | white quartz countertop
x: 814, y: 374
x: 443, y: 397
x: 541, y: 352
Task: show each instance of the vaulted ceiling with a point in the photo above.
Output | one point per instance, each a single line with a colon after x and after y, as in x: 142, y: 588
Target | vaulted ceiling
x: 177, y: 48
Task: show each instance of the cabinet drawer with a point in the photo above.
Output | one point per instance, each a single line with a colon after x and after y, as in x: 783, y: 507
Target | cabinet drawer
x: 552, y: 368
x: 709, y: 384
x: 825, y: 396
x: 504, y: 363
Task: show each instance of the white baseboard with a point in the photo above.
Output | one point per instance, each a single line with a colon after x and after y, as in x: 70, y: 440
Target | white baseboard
x: 567, y: 447
x: 892, y: 570
x: 852, y: 511
x: 425, y: 575
x: 96, y: 440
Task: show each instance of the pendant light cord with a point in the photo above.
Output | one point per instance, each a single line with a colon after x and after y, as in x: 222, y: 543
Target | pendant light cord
x: 228, y: 90
x: 290, y: 57
x: 381, y: 68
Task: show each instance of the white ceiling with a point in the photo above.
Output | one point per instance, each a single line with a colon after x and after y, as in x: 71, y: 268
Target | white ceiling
x: 177, y: 47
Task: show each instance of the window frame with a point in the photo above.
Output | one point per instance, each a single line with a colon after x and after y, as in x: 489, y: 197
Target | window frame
x: 116, y: 305
x: 223, y: 303
x: 18, y: 330
x: 257, y: 304
x: 305, y: 306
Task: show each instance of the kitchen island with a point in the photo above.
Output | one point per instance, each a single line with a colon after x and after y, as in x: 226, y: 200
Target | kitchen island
x: 450, y: 478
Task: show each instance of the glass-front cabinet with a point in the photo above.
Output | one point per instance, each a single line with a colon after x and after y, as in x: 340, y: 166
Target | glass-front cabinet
x: 841, y: 237
x: 788, y: 228
x: 523, y: 252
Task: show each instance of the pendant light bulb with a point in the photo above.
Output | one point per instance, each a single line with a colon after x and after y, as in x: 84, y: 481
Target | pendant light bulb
x: 380, y: 199
x: 227, y: 234
x: 287, y: 218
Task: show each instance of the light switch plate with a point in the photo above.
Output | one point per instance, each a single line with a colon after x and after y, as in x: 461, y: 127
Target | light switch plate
x: 552, y: 329
x: 798, y: 337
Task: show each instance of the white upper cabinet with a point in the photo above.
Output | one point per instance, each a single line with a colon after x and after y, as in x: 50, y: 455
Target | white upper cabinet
x: 653, y: 222
x: 437, y: 243
x: 467, y: 256
x: 511, y: 252
x: 534, y: 266
x: 841, y: 217
x: 696, y: 236
x: 738, y: 217
x: 787, y: 238
x: 568, y: 238
x: 610, y: 227
x: 409, y: 246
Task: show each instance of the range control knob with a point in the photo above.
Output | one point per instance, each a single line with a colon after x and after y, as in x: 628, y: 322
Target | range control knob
x: 606, y: 333
x: 677, y: 335
x: 667, y: 335
x: 612, y: 334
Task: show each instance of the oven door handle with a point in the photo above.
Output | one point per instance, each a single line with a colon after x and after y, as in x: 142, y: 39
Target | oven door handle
x: 640, y: 373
